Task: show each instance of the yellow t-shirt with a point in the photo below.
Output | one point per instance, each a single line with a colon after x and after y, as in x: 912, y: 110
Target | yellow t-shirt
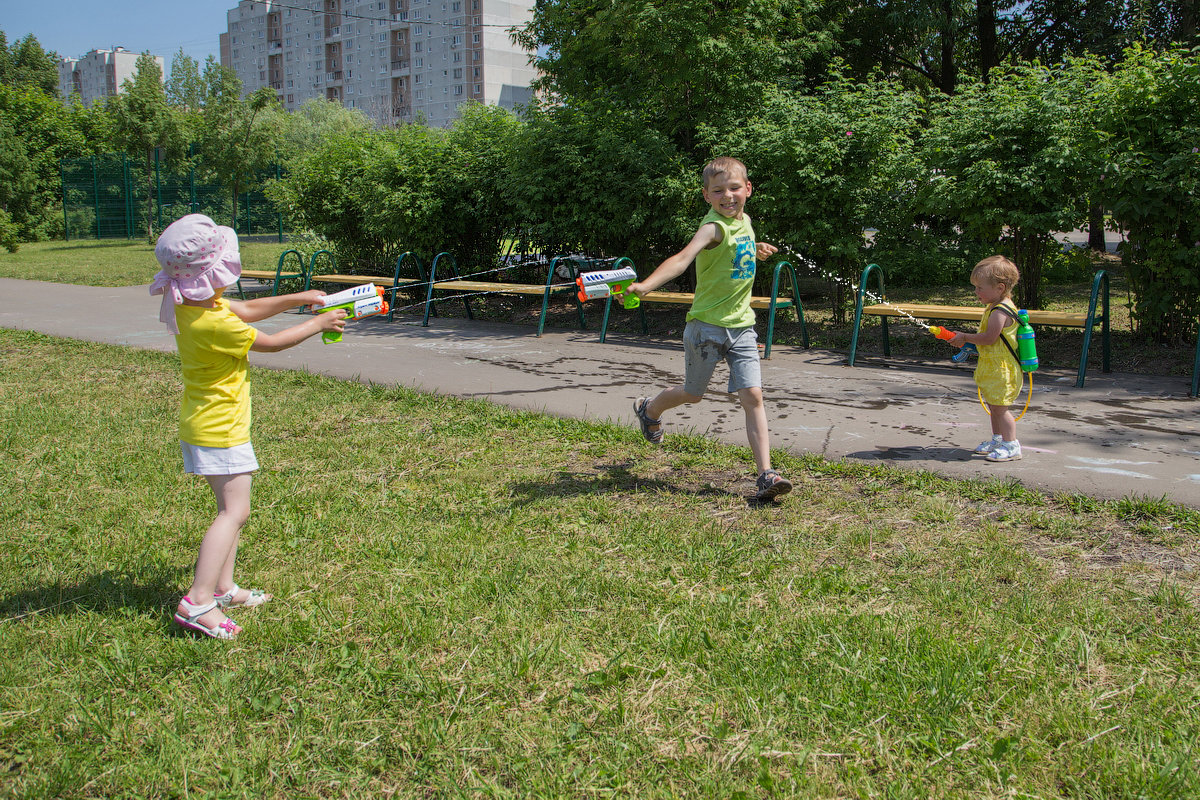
x: 213, y: 347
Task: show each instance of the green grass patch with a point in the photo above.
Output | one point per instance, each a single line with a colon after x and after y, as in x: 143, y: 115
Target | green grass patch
x: 107, y: 262
x: 477, y: 601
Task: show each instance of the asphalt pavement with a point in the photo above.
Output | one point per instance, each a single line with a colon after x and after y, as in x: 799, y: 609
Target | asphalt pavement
x: 1122, y: 435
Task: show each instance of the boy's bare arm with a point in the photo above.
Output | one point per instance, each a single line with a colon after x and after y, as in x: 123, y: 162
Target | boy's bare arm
x: 261, y: 308
x: 674, y: 266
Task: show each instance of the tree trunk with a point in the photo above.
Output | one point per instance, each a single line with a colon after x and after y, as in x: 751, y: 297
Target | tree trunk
x: 949, y: 69
x: 149, y: 197
x: 985, y: 30
x: 1096, y: 228
x: 1029, y: 253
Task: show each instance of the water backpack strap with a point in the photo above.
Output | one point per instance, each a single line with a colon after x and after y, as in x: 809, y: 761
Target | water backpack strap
x: 1012, y: 312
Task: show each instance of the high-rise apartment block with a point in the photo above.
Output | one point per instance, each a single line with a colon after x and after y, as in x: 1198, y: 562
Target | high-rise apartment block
x: 395, y: 60
x: 97, y: 74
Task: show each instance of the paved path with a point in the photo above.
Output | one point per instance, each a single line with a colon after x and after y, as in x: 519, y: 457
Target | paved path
x: 1119, y: 436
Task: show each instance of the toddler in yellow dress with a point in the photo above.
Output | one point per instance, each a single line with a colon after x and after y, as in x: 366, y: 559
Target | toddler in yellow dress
x: 998, y: 373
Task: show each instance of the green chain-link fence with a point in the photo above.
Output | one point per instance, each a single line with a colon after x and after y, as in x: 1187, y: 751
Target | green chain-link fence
x: 104, y: 197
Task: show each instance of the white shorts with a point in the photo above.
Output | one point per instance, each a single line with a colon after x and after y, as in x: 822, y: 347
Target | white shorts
x: 218, y: 460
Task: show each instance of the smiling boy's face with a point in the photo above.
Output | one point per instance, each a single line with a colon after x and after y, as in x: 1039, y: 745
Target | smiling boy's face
x: 727, y: 192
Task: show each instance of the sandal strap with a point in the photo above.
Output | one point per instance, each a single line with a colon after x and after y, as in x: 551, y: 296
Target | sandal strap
x: 195, y: 611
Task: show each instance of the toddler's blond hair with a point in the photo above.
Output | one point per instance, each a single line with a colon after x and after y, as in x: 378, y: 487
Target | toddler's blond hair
x: 997, y: 270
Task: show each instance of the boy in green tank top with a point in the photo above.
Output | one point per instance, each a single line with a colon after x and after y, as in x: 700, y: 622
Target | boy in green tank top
x: 720, y: 323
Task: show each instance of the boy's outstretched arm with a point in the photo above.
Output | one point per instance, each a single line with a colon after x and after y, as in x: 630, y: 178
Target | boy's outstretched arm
x: 708, y: 234
x: 261, y: 308
x: 274, y: 342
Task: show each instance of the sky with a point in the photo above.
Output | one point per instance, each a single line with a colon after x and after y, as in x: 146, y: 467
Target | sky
x: 73, y: 27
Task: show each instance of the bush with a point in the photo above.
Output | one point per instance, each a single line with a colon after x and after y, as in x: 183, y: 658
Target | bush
x: 1152, y: 184
x: 824, y: 168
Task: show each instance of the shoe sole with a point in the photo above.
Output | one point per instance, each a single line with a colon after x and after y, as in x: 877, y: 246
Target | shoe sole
x: 196, y: 627
x: 1017, y: 457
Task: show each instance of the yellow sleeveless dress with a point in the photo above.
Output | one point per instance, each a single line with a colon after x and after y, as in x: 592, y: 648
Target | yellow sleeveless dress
x: 998, y: 375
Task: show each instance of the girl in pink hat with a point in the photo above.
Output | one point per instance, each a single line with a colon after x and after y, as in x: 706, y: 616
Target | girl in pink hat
x: 199, y: 259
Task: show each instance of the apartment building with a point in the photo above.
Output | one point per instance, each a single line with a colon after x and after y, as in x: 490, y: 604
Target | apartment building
x: 395, y: 60
x: 98, y: 73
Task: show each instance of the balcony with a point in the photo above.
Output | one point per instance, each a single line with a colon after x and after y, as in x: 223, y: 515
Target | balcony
x: 333, y: 76
x: 399, y: 65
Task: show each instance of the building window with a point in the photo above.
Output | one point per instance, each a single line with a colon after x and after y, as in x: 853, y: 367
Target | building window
x: 458, y: 90
x: 477, y: 89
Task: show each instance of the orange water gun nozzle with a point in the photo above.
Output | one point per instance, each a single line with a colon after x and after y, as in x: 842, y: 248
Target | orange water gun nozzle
x: 941, y: 333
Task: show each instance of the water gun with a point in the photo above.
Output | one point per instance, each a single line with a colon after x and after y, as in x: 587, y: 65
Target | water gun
x: 358, y: 302
x: 945, y: 334
x: 964, y: 352
x: 601, y: 284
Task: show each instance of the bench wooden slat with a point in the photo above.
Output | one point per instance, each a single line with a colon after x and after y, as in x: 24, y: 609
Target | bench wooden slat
x: 260, y: 274
x: 971, y: 313
x: 686, y: 298
x: 357, y: 280
x: 492, y: 286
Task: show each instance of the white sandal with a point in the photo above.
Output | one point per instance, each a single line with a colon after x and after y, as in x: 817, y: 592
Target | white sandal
x: 190, y: 620
x: 257, y: 598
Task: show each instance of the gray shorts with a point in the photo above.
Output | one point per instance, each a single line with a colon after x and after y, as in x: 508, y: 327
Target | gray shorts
x: 705, y: 345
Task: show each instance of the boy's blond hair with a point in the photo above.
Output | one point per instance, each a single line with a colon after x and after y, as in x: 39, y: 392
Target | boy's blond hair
x: 723, y: 166
x: 997, y: 270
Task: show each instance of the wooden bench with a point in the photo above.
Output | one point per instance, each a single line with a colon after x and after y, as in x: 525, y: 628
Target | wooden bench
x: 391, y: 286
x: 269, y: 280
x: 772, y: 304
x: 463, y: 289
x: 885, y: 310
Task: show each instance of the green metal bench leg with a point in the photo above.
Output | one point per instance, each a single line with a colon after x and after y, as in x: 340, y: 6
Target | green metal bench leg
x: 858, y: 307
x: 772, y: 310
x: 604, y: 323
x: 1196, y: 370
x: 1101, y: 279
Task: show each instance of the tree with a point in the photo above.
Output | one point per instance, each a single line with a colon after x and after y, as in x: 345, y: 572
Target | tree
x: 823, y: 167
x: 316, y: 121
x: 238, y: 137
x: 143, y: 122
x: 600, y: 181
x: 185, y: 87
x: 676, y: 63
x: 372, y: 193
x: 1012, y: 161
x: 1151, y: 182
x: 26, y: 64
x: 41, y: 133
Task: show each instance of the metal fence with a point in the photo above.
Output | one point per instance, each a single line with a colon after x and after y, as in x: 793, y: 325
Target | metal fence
x: 105, y: 197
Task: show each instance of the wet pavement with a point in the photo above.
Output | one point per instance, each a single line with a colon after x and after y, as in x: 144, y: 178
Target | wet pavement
x: 1121, y: 435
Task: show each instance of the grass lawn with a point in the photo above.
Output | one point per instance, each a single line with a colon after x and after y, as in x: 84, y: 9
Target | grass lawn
x: 476, y: 601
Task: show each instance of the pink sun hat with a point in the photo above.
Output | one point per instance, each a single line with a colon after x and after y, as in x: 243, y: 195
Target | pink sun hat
x: 197, y: 257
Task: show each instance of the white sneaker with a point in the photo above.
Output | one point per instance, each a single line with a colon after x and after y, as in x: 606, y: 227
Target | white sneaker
x: 991, y: 444
x: 1005, y: 451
